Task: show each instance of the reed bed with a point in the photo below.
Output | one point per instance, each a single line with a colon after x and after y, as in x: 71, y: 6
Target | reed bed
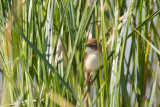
x: 42, y: 46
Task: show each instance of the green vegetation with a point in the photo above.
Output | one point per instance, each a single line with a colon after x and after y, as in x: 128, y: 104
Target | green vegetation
x: 42, y: 46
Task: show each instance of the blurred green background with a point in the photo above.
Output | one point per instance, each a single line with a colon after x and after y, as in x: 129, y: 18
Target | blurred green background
x: 42, y: 45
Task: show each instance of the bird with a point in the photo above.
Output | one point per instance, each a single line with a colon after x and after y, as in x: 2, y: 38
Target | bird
x: 91, y: 62
x: 91, y: 57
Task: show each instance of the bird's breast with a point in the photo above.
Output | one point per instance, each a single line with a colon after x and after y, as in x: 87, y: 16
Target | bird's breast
x: 92, y: 61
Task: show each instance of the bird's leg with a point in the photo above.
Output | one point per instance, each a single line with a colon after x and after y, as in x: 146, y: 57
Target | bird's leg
x: 90, y: 79
x: 86, y: 75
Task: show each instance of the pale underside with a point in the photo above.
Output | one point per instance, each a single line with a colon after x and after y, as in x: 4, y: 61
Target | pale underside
x: 91, y: 63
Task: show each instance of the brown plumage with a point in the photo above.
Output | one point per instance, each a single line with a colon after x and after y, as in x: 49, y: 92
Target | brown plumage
x: 93, y: 45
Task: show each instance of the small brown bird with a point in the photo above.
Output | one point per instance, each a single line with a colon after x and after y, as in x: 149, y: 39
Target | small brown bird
x: 91, y: 62
x: 91, y: 59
